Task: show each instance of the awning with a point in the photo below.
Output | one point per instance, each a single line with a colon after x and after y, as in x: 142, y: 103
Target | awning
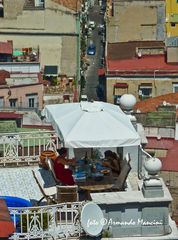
x: 121, y: 85
x: 17, y: 53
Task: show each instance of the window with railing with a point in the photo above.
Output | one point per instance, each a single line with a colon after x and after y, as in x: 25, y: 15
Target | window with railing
x: 32, y: 100
x: 13, y: 102
x: 175, y: 87
x: 145, y: 91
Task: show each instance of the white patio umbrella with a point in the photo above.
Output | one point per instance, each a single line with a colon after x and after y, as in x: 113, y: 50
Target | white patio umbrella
x: 91, y: 125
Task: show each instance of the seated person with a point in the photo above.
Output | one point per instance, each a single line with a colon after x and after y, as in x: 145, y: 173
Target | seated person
x: 112, y: 161
x: 64, y: 175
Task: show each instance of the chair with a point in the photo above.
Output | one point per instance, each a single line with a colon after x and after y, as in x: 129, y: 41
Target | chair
x: 120, y: 182
x: 67, y: 194
x: 51, y: 168
x: 48, y: 192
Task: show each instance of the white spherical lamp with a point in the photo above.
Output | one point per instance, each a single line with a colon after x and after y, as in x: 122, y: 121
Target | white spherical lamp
x: 153, y: 166
x: 127, y: 101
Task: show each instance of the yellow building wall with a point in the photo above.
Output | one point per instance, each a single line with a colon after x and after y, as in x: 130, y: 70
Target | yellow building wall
x: 159, y: 87
x: 171, y: 8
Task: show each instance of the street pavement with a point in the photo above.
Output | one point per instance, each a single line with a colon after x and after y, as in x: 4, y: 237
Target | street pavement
x: 92, y: 71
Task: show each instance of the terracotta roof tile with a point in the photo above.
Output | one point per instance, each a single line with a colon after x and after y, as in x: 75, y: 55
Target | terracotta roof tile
x: 150, y: 105
x: 6, y: 47
x: 163, y: 143
x: 170, y: 162
x: 71, y: 4
x: 145, y: 63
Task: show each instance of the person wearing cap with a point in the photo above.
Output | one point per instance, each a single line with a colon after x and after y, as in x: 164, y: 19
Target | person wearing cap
x: 64, y: 175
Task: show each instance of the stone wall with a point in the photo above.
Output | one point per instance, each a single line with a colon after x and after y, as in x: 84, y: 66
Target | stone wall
x: 13, y: 8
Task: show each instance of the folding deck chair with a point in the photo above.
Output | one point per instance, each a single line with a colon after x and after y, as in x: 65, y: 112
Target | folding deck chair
x: 49, y: 193
x: 51, y: 168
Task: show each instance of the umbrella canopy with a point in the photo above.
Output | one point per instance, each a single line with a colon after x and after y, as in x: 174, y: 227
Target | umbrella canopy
x: 91, y: 124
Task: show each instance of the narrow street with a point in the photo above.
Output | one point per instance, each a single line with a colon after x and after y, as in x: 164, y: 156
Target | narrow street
x: 92, y: 71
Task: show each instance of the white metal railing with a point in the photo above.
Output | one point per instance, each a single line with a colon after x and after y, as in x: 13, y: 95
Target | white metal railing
x: 26, y: 147
x: 61, y: 221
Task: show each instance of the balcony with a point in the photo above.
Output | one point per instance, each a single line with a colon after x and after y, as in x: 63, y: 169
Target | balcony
x: 19, y: 154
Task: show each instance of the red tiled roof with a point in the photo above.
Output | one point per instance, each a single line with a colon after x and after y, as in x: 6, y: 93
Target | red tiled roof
x: 3, y: 75
x: 170, y: 162
x: 163, y: 143
x: 10, y: 115
x: 6, y: 47
x: 144, y: 63
x: 71, y: 4
x: 150, y: 105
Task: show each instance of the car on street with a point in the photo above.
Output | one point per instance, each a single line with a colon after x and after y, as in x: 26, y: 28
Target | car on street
x: 91, y: 50
x: 89, y: 32
x: 91, y: 24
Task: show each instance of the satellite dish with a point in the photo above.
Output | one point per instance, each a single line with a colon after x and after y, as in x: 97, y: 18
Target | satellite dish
x: 92, y: 219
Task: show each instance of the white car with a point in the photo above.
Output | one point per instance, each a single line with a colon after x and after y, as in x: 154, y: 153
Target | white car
x: 91, y: 24
x: 84, y: 98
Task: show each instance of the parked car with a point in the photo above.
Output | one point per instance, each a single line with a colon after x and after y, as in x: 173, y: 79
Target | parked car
x: 89, y: 32
x: 91, y: 24
x: 91, y: 50
x: 84, y: 98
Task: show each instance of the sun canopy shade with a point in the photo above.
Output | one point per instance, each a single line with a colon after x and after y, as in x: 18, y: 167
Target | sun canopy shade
x: 91, y: 124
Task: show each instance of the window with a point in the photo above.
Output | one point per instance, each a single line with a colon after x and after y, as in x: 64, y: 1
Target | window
x: 31, y: 102
x: 1, y: 102
x: 32, y: 99
x: 118, y: 90
x: 145, y: 91
x: 173, y: 24
x: 1, y: 9
x: 175, y: 87
x: 13, y: 102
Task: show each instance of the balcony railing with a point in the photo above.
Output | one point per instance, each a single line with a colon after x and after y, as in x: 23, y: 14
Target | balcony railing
x: 61, y: 221
x: 26, y: 147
